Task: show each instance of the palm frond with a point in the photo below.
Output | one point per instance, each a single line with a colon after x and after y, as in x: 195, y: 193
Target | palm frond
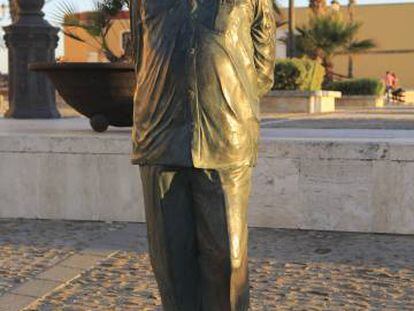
x: 329, y: 34
x: 65, y: 12
x: 73, y: 36
x: 357, y: 47
x: 281, y: 18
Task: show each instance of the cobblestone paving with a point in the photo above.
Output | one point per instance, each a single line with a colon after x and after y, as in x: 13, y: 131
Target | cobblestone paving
x: 290, y: 270
x: 29, y: 247
x: 123, y: 282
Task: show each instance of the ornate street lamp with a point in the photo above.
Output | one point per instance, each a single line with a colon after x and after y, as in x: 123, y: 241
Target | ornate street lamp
x: 30, y: 39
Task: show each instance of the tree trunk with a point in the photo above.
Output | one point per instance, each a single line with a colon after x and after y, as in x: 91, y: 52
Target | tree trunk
x: 351, y: 5
x: 329, y: 68
x: 13, y: 10
x: 350, y: 66
x: 292, y: 27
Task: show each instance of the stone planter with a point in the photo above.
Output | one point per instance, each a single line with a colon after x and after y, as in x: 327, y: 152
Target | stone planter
x: 103, y: 92
x: 30, y: 39
x: 299, y: 102
x: 355, y: 102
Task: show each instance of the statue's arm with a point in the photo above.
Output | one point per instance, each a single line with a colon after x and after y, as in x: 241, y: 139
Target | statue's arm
x: 264, y: 40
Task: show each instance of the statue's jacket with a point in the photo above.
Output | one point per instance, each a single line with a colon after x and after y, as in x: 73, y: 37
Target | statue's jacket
x: 202, y: 67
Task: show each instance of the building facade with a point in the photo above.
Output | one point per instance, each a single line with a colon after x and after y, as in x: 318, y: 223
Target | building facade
x: 76, y: 51
x: 389, y: 25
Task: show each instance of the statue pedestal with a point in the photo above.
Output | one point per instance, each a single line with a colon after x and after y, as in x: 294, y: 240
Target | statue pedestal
x: 30, y: 39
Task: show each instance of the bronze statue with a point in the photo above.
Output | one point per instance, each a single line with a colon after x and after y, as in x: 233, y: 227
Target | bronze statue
x: 202, y: 67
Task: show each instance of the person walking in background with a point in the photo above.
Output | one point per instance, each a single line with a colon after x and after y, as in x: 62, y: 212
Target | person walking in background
x: 394, y: 81
x: 397, y: 92
x: 389, y: 84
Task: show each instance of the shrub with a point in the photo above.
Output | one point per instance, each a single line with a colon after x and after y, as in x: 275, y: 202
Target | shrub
x: 298, y: 74
x: 365, y: 86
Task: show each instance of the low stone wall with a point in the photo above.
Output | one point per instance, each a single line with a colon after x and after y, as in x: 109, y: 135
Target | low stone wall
x: 350, y: 182
x: 299, y: 102
x: 352, y: 102
x: 4, y: 105
x: 4, y: 101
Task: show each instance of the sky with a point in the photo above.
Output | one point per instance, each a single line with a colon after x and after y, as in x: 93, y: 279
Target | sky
x: 50, y: 7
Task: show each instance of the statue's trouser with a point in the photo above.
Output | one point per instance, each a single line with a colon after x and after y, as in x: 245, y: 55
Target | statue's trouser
x: 197, y: 230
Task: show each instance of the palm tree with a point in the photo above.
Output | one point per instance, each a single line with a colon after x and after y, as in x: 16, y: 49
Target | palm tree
x: 96, y: 24
x: 318, y: 6
x: 328, y: 35
x: 281, y: 20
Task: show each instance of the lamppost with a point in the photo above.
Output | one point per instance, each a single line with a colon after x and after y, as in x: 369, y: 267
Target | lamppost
x: 292, y: 26
x: 30, y: 39
x: 351, y: 17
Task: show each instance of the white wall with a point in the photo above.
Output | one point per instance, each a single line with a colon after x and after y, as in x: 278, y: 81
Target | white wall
x: 309, y: 183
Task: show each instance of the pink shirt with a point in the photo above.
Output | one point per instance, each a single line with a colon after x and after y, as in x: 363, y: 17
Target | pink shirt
x: 389, y: 80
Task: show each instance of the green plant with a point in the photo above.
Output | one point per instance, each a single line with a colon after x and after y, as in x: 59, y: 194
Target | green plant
x: 364, y: 86
x: 96, y: 24
x: 298, y: 74
x: 328, y: 35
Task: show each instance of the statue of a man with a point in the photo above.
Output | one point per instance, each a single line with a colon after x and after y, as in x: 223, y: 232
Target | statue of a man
x: 202, y: 67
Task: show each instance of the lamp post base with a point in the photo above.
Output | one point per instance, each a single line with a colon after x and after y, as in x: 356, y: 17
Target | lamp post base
x: 30, y: 39
x: 28, y: 113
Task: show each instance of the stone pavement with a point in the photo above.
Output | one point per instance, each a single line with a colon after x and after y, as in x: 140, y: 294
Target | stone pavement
x: 62, y: 265
x: 387, y: 118
x: 336, y: 127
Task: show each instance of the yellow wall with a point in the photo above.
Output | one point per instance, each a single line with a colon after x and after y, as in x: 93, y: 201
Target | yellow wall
x: 390, y: 25
x: 76, y: 51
